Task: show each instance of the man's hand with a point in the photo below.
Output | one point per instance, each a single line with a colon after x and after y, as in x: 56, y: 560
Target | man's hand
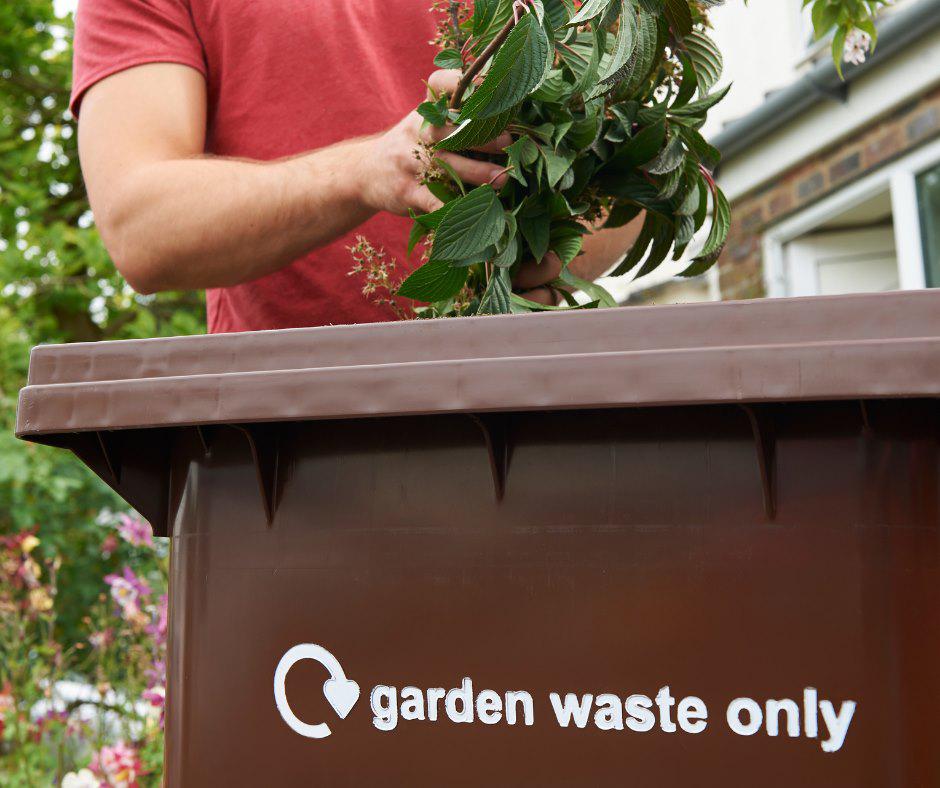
x: 391, y: 173
x: 391, y: 169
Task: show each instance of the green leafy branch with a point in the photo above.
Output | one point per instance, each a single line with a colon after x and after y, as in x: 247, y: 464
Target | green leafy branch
x: 604, y: 103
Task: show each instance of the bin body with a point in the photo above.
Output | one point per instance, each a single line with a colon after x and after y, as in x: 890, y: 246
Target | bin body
x: 757, y: 541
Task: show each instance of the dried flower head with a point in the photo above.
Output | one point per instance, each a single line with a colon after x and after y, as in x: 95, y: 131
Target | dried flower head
x: 377, y: 270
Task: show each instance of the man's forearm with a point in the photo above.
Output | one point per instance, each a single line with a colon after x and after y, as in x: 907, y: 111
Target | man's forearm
x: 174, y: 220
x: 603, y: 249
x: 212, y: 222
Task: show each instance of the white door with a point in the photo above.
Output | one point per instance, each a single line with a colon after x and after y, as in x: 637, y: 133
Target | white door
x: 844, y: 261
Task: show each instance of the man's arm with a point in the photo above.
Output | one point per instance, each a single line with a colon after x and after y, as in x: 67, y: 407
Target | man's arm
x: 173, y: 218
x: 604, y: 248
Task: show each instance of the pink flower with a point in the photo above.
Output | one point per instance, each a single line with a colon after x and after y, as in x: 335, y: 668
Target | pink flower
x: 109, y: 545
x: 156, y: 697
x: 128, y: 591
x: 857, y: 46
x: 156, y: 674
x: 7, y: 703
x: 155, y: 693
x: 136, y: 532
x: 157, y: 629
x: 118, y: 766
x: 102, y: 639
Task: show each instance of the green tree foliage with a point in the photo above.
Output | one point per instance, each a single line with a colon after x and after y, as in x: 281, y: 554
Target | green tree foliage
x: 57, y: 284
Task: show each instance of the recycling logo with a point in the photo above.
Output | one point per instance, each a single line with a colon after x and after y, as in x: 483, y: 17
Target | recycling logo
x: 340, y: 692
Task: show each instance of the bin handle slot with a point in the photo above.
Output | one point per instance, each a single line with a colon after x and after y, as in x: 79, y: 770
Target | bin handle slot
x: 264, y: 442
x: 204, y: 433
x: 765, y: 441
x: 109, y: 451
x: 495, y: 428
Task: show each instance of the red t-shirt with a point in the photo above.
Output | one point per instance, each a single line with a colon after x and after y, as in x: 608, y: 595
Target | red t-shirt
x: 283, y: 77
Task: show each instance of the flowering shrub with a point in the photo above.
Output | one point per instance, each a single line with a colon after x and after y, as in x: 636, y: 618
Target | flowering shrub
x: 88, y: 713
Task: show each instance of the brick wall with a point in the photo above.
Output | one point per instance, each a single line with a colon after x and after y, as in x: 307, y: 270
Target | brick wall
x: 740, y: 266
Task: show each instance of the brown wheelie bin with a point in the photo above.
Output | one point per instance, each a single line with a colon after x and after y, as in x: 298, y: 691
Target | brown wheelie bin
x: 668, y: 546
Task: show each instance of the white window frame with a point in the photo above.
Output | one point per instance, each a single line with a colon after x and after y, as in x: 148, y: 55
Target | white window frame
x: 900, y: 179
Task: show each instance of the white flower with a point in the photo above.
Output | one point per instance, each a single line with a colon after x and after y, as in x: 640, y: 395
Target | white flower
x: 82, y: 779
x: 857, y: 46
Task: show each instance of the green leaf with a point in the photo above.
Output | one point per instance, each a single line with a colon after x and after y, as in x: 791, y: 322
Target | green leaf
x: 721, y: 223
x: 497, y: 297
x: 638, y: 250
x: 475, y: 132
x: 506, y: 258
x: 566, y: 240
x: 707, y: 154
x: 558, y: 12
x: 838, y: 50
x: 434, y: 281
x: 472, y: 223
x: 592, y: 290
x: 484, y: 16
x: 621, y: 59
x: 522, y: 154
x: 645, y: 56
x: 689, y: 82
x: 701, y: 106
x: 679, y: 16
x: 449, y: 58
x: 535, y: 225
x: 556, y: 165
x: 457, y: 183
x: 516, y: 71
x: 706, y: 58
x: 418, y: 232
x: 621, y: 215
x: 554, y: 89
x: 522, y: 305
x: 669, y: 159
x: 443, y: 191
x: 434, y: 112
x: 663, y: 237
x: 590, y: 9
x: 644, y: 147
x: 582, y: 57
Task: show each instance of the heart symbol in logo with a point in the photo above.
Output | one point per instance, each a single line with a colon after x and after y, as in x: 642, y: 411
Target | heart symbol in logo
x: 342, y: 695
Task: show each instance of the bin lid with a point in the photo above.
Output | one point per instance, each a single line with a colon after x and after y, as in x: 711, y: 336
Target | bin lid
x: 862, y: 346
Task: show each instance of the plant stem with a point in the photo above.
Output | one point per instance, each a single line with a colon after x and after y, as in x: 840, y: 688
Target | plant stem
x: 477, y: 66
x: 455, y: 22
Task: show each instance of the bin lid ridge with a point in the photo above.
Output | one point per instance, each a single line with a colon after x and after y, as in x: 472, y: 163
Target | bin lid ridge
x: 892, y: 315
x: 872, y: 346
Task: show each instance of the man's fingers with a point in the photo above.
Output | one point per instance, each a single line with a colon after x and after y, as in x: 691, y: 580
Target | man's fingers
x: 436, y: 133
x: 473, y: 171
x: 532, y: 275
x: 444, y: 81
x: 422, y: 201
x: 497, y: 145
x: 542, y: 295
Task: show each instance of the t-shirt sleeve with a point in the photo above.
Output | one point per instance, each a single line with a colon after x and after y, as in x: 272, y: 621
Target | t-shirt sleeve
x: 114, y: 35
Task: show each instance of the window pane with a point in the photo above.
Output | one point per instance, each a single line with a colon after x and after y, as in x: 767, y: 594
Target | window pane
x: 928, y: 196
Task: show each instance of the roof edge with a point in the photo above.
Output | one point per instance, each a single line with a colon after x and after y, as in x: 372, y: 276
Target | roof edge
x: 823, y: 82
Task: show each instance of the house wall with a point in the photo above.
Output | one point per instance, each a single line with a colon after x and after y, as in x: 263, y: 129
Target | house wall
x: 893, y: 135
